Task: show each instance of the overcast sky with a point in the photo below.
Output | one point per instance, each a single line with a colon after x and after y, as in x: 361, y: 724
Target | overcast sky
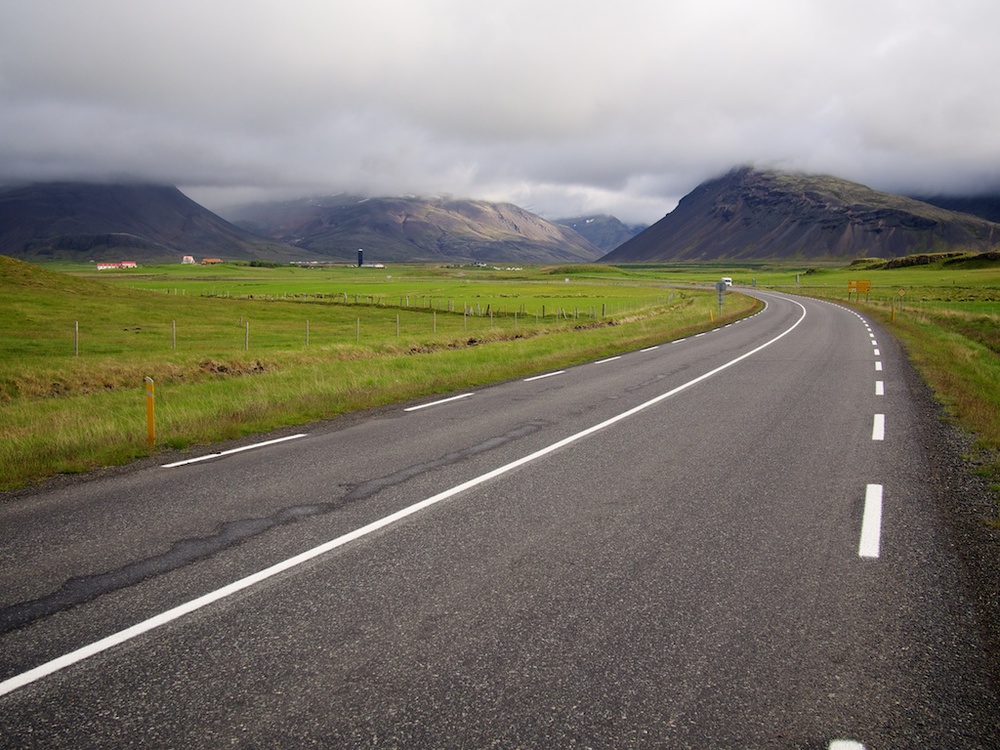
x: 564, y: 107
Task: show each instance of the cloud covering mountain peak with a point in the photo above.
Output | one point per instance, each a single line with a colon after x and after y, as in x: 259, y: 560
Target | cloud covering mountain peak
x: 565, y: 109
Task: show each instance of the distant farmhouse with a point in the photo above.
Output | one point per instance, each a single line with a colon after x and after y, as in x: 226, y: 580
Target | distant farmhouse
x: 122, y: 264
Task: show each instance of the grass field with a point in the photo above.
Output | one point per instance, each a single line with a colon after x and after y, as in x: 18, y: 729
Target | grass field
x: 235, y: 349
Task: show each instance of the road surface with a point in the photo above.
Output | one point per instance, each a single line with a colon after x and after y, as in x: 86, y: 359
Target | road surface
x: 727, y: 541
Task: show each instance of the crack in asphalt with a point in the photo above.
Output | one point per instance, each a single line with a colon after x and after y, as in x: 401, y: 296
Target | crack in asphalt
x: 186, y: 551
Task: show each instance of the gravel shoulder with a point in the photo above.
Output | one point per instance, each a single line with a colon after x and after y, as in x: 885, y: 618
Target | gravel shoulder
x: 966, y: 505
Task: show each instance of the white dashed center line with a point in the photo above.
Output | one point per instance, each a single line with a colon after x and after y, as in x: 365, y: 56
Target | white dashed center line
x: 845, y: 745
x: 871, y: 522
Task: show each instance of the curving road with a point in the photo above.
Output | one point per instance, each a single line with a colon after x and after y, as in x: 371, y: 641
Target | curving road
x: 726, y: 541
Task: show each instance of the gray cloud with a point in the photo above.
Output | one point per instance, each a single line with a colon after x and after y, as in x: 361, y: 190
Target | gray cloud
x: 563, y: 107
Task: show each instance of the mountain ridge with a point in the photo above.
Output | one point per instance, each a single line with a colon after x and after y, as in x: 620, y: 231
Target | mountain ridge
x: 747, y: 214
x: 411, y: 228
x: 152, y: 223
x: 751, y: 214
x: 157, y: 223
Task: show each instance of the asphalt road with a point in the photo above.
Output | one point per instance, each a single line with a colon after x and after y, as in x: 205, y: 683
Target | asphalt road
x: 722, y: 542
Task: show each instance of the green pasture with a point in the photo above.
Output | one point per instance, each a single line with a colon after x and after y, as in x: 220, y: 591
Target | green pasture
x: 546, y: 292
x: 221, y: 311
x: 236, y: 350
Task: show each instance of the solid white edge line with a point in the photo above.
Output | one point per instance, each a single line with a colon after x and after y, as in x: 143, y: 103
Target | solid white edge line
x: 878, y: 427
x: 230, y: 452
x: 871, y: 522
x: 435, y: 403
x: 546, y: 375
x: 170, y: 615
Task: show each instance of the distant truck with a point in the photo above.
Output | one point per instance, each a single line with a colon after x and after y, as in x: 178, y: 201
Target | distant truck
x: 727, y: 280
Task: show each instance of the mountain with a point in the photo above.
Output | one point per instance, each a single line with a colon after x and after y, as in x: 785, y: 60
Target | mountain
x: 984, y: 206
x: 750, y: 214
x: 606, y: 232
x: 415, y: 229
x: 141, y: 222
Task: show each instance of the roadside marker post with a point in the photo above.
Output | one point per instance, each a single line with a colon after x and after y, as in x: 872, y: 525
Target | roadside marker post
x: 150, y: 414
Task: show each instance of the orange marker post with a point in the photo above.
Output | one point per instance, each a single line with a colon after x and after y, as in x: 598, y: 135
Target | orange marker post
x: 150, y: 414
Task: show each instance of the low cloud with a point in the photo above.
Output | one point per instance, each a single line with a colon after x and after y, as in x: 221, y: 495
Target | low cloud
x: 563, y: 108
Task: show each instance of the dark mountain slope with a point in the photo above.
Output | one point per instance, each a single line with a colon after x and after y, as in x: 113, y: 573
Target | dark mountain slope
x: 984, y: 206
x: 416, y: 229
x: 145, y: 223
x: 750, y: 214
